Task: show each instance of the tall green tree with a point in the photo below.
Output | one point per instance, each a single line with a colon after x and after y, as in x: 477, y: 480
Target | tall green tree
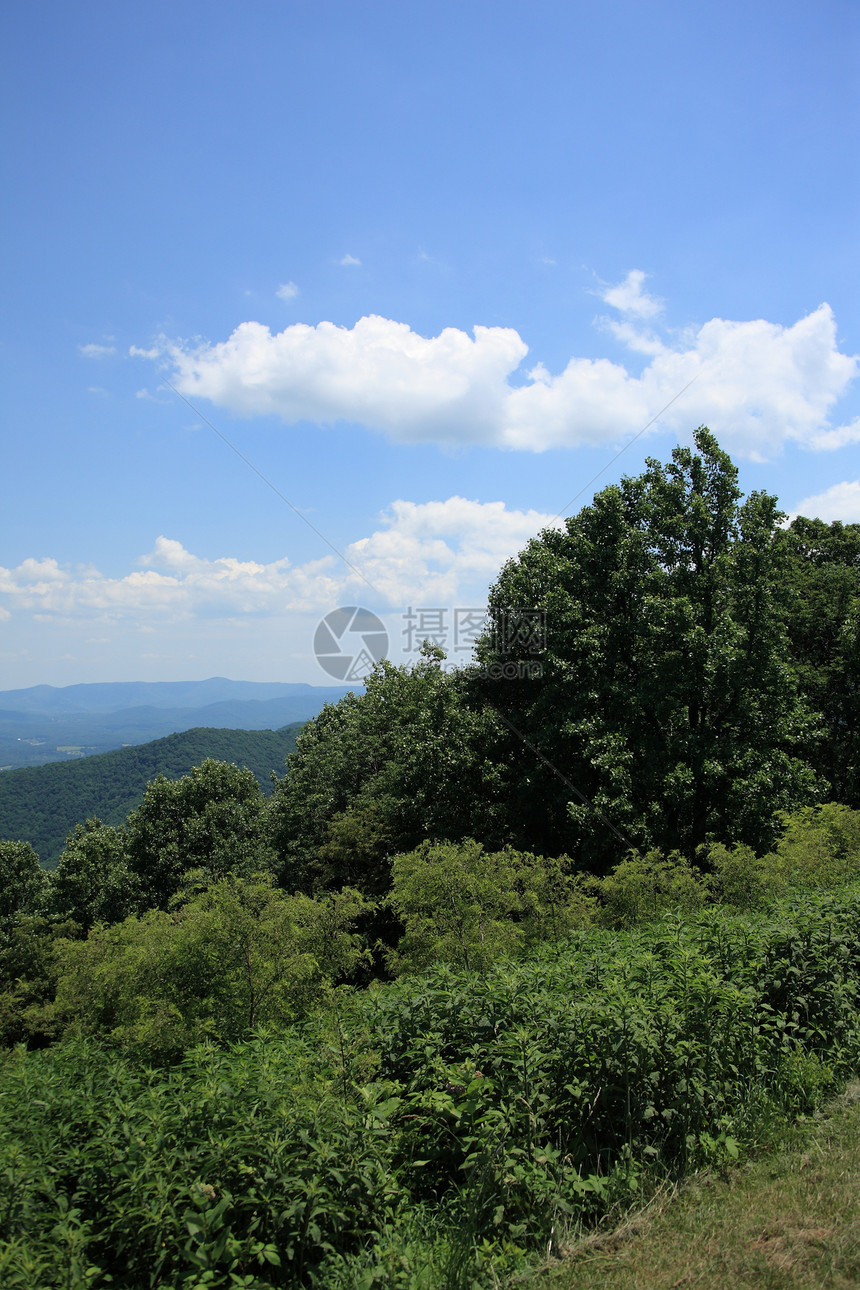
x: 23, y: 882
x: 93, y: 882
x: 822, y: 617
x: 211, y: 820
x: 667, y: 696
x: 376, y: 774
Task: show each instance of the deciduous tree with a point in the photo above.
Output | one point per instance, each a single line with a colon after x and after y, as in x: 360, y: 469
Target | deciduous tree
x: 667, y: 697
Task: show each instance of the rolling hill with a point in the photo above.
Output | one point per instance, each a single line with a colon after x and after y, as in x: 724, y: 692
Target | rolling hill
x: 42, y: 804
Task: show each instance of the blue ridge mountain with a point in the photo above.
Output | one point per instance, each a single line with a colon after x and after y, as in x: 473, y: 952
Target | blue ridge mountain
x: 48, y: 724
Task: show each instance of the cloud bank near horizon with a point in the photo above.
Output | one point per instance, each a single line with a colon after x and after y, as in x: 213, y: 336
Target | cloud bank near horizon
x: 432, y: 553
x: 429, y: 553
x: 758, y: 385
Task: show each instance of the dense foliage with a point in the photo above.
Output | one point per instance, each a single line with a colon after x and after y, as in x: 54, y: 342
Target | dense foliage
x: 671, y: 669
x: 410, y: 759
x: 420, y: 1133
x: 666, y: 695
x: 822, y: 618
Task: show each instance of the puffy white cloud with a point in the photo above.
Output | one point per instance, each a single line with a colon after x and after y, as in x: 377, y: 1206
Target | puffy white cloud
x: 629, y: 298
x: 435, y: 552
x: 348, y: 260
x: 287, y: 291
x: 839, y: 502
x: 428, y: 553
x: 757, y: 384
x: 379, y: 372
x: 96, y: 351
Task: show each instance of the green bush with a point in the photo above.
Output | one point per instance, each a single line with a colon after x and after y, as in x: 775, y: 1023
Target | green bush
x: 431, y: 1131
x: 819, y: 847
x: 739, y: 878
x: 641, y: 888
x: 462, y: 905
x: 238, y: 955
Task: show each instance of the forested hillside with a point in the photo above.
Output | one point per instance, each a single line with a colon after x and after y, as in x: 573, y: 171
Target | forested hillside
x: 42, y: 804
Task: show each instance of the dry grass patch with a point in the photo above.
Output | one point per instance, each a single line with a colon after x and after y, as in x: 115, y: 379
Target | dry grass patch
x: 787, y: 1220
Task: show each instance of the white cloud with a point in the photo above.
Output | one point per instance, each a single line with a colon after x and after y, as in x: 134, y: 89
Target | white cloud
x: 757, y: 384
x: 288, y: 291
x: 436, y: 552
x: 379, y: 372
x: 423, y: 553
x: 96, y: 351
x: 629, y: 298
x: 348, y: 259
x: 839, y: 502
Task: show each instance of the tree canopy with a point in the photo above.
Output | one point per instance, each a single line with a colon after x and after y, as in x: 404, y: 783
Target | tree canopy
x: 821, y: 612
x: 412, y: 758
x: 212, y: 820
x: 667, y: 696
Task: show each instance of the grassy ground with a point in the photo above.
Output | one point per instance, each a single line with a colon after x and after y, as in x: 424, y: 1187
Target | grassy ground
x: 788, y: 1219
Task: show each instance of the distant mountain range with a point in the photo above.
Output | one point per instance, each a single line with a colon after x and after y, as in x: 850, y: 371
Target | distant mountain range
x: 42, y: 804
x: 49, y: 724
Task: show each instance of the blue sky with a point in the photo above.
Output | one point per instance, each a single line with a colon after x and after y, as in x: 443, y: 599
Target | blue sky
x: 427, y: 267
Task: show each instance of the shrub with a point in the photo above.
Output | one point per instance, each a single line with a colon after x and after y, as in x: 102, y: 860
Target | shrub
x: 236, y: 956
x: 467, y: 1114
x: 468, y: 907
x: 642, y: 888
x: 819, y: 847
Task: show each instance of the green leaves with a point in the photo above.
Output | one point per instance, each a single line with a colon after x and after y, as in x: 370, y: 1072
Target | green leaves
x: 429, y: 1131
x: 23, y: 883
x: 93, y: 882
x: 212, y: 820
x: 239, y: 955
x: 667, y: 697
x: 471, y: 908
x: 412, y: 758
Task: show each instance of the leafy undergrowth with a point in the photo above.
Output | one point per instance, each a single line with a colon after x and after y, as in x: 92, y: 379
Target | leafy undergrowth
x: 435, y: 1132
x: 787, y: 1221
